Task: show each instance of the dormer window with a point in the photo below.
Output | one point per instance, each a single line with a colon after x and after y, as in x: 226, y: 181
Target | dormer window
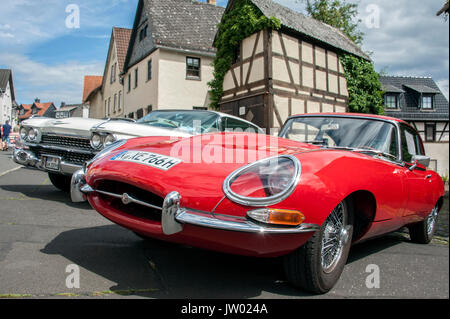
x: 427, y: 102
x: 143, y: 33
x: 391, y: 101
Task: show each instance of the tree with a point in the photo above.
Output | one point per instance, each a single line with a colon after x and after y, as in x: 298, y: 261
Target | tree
x: 337, y: 14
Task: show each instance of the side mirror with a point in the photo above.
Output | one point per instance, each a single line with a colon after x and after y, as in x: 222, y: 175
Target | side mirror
x: 420, y: 159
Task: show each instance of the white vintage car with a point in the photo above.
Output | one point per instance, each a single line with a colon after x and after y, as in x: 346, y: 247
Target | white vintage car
x: 62, y: 146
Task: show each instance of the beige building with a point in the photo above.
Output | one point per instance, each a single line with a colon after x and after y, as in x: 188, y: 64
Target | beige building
x: 105, y: 95
x: 169, y: 60
x: 92, y: 96
x: 279, y: 73
x: 112, y: 86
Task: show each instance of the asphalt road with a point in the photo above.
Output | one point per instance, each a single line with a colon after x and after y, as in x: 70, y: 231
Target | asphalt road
x: 42, y: 233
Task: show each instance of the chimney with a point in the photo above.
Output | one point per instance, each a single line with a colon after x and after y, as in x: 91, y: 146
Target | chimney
x: 213, y: 2
x: 37, y: 100
x: 63, y: 104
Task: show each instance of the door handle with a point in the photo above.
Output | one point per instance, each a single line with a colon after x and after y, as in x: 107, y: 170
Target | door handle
x: 428, y: 176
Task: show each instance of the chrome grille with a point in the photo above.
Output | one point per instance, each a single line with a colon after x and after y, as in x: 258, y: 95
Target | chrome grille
x: 111, y: 193
x: 66, y: 156
x: 66, y: 141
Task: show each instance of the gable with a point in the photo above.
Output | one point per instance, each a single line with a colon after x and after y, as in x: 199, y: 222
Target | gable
x: 185, y: 25
x: 140, y: 48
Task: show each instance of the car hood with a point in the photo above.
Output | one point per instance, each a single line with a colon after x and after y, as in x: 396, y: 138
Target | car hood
x: 200, y: 175
x: 71, y: 126
x: 125, y: 130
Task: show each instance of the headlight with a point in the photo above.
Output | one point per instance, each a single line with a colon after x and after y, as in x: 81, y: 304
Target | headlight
x: 23, y: 133
x: 109, y: 139
x: 32, y: 135
x: 265, y: 182
x: 96, y: 141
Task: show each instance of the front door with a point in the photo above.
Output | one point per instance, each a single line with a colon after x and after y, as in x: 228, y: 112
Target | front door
x: 418, y: 179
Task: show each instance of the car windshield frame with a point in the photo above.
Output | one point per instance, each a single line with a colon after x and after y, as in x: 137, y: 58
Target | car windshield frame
x: 395, y: 126
x: 184, y: 123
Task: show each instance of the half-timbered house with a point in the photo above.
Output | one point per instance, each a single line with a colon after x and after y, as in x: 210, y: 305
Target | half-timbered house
x: 296, y: 69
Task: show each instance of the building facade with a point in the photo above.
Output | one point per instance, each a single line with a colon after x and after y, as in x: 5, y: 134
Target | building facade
x: 169, y: 60
x: 279, y: 73
x: 7, y: 97
x: 92, y: 96
x: 112, y: 90
x: 420, y: 102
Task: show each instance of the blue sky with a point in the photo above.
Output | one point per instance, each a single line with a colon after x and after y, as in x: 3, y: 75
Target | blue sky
x: 49, y: 60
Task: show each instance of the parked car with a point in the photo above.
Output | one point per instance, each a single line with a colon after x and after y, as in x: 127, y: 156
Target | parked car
x: 328, y: 181
x: 61, y: 146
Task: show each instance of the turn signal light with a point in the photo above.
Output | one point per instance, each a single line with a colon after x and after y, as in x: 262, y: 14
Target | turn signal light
x: 277, y: 216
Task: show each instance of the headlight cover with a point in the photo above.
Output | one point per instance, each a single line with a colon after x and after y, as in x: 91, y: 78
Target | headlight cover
x: 264, y: 182
x: 23, y: 133
x: 96, y: 141
x: 109, y: 139
x: 32, y: 134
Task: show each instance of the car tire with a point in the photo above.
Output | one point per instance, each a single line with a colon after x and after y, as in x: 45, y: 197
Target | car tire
x: 62, y: 182
x: 423, y: 232
x: 307, y: 269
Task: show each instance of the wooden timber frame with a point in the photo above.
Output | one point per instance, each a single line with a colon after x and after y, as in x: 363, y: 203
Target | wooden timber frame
x: 280, y: 74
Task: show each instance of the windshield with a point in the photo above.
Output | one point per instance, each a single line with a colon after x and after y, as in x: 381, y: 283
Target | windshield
x: 343, y: 132
x: 193, y: 122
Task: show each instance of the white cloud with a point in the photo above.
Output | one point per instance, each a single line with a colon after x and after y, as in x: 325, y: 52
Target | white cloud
x: 56, y: 83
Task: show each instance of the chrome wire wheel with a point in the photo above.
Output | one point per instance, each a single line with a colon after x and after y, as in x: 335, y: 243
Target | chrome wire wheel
x: 336, y: 234
x: 431, y: 220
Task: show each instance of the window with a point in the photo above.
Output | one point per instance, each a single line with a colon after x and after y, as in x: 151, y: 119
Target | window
x: 140, y: 113
x: 131, y: 115
x: 106, y: 107
x: 113, y: 73
x: 120, y: 100
x: 235, y: 125
x: 109, y: 107
x: 427, y: 102
x: 143, y: 33
x: 129, y: 82
x: 410, y: 144
x: 115, y: 103
x: 200, y: 108
x: 149, y: 70
x: 430, y: 132
x: 149, y: 109
x: 136, y: 77
x: 391, y: 101
x: 192, y: 68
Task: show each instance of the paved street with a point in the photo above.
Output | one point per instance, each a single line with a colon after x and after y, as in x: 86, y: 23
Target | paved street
x: 42, y: 232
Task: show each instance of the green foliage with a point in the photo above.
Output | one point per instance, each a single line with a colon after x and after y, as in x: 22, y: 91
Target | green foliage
x: 242, y: 21
x: 338, y: 14
x: 363, y: 84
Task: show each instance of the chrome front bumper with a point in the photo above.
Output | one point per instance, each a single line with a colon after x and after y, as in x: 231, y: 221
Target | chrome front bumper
x: 29, y: 159
x: 174, y: 216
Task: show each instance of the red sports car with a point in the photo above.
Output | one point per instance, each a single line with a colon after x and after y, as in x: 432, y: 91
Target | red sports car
x: 328, y: 181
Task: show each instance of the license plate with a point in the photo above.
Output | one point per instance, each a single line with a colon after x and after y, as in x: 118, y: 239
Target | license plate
x: 51, y: 163
x: 151, y: 159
